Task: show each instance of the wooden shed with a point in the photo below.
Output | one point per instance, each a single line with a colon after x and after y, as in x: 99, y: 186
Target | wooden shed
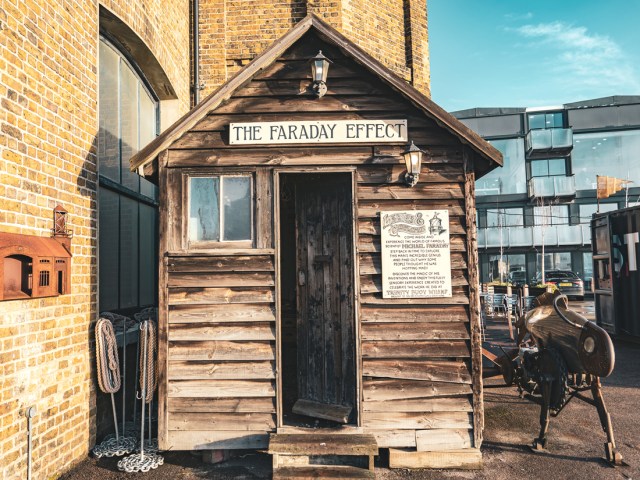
x: 272, y: 316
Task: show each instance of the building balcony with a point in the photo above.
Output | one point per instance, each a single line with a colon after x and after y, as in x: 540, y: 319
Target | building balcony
x: 561, y: 186
x: 558, y: 141
x: 550, y: 236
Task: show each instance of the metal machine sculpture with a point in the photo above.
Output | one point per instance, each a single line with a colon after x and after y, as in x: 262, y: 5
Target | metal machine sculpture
x: 560, y: 355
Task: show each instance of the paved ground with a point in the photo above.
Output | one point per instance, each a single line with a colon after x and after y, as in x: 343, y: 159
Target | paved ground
x: 576, y: 439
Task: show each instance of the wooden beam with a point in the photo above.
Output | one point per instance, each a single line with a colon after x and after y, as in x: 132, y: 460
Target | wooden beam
x: 217, y: 439
x: 226, y: 313
x: 466, y: 459
x: 474, y: 300
x: 417, y: 420
x: 438, y: 440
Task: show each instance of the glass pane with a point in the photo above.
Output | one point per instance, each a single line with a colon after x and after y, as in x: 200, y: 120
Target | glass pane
x: 148, y: 189
x: 513, y: 217
x: 557, y: 166
x: 611, y: 153
x: 539, y: 168
x: 493, y: 218
x: 108, y: 255
x: 536, y: 120
x: 147, y: 255
x: 559, y: 215
x: 511, y: 178
x: 128, y: 252
x: 553, y: 120
x: 204, y: 215
x: 128, y: 124
x: 587, y: 266
x: 108, y: 135
x: 237, y: 208
x: 147, y: 117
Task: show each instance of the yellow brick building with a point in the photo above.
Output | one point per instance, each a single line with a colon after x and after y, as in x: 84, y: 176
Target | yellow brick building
x: 83, y: 85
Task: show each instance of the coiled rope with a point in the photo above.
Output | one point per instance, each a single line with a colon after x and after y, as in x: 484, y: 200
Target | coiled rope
x: 107, y: 357
x: 108, y: 372
x: 149, y: 382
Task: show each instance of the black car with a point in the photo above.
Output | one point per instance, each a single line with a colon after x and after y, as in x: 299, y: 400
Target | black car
x: 567, y: 282
x: 517, y: 278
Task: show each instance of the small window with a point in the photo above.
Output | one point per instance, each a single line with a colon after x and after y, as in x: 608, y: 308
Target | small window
x: 539, y: 121
x: 44, y: 278
x: 220, y: 209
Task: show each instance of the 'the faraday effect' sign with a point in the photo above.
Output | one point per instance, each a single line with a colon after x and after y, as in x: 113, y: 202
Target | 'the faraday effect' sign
x: 318, y: 131
x: 416, y: 258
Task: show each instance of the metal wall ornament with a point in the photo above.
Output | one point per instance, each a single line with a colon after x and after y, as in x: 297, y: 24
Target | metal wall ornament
x: 319, y: 71
x: 413, y: 160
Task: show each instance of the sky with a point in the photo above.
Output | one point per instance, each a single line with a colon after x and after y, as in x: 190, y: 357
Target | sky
x: 532, y: 53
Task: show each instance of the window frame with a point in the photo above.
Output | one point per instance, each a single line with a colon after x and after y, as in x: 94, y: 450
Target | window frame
x: 190, y: 244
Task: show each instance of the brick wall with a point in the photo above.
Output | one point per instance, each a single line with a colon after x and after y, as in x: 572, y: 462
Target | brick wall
x: 48, y: 124
x: 394, y: 32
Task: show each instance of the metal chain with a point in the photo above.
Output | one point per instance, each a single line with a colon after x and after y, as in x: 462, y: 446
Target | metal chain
x: 140, y: 462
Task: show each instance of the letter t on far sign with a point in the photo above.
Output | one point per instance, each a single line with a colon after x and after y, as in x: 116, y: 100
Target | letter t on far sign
x: 631, y: 239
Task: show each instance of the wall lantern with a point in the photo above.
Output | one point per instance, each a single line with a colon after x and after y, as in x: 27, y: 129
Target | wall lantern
x: 319, y: 71
x: 413, y: 159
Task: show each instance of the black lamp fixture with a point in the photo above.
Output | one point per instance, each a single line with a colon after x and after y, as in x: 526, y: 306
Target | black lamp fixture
x: 413, y: 160
x: 319, y: 70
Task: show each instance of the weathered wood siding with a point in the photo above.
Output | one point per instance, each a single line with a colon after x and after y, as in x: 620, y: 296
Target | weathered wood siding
x: 218, y: 329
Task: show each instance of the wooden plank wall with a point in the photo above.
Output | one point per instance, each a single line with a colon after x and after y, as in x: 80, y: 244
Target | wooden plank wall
x: 220, y: 333
x: 221, y: 350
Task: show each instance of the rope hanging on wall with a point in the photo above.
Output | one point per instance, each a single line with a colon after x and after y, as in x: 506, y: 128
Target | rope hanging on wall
x: 108, y: 372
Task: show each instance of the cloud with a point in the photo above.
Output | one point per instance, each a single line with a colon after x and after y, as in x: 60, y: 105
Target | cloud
x: 588, y: 59
x: 518, y: 16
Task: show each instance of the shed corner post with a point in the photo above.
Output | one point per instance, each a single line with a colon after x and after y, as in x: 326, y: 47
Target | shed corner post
x: 474, y: 299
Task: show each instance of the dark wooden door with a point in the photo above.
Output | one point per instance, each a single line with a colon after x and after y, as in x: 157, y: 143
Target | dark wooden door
x: 325, y: 318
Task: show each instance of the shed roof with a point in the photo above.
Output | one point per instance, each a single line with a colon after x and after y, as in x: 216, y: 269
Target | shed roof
x: 483, y: 149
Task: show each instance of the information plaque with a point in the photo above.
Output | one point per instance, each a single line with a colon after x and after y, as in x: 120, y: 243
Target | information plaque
x: 416, y: 258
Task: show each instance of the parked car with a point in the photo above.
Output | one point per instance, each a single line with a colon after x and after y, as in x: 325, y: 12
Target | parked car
x: 567, y: 282
x: 517, y: 278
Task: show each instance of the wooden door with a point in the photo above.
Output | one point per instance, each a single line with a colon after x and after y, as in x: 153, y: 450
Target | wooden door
x: 325, y: 310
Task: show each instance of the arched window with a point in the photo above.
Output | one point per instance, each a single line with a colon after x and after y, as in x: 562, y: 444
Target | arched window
x: 128, y: 117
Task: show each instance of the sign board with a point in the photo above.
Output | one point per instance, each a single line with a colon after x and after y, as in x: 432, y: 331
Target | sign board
x: 319, y: 131
x: 416, y: 258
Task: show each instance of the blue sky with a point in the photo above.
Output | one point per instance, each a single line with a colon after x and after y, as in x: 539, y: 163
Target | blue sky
x: 517, y: 53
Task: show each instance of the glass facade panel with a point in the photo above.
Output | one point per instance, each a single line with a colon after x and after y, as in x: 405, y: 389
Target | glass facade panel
x: 505, y: 217
x: 551, y: 215
x: 569, y: 234
x: 539, y: 168
x: 611, y: 153
x: 237, y: 208
x: 511, y: 178
x: 109, y: 248
x: 128, y: 252
x: 554, y: 261
x: 127, y: 226
x: 109, y: 134
x: 520, y: 237
x: 557, y: 166
x: 128, y: 126
x: 587, y: 269
x: 148, y: 248
x: 204, y: 209
x: 587, y: 210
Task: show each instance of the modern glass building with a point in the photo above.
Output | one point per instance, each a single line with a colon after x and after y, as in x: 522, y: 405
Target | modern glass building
x: 541, y: 201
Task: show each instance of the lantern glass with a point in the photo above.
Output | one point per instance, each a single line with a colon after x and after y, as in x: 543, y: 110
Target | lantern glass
x: 413, y: 158
x: 320, y: 67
